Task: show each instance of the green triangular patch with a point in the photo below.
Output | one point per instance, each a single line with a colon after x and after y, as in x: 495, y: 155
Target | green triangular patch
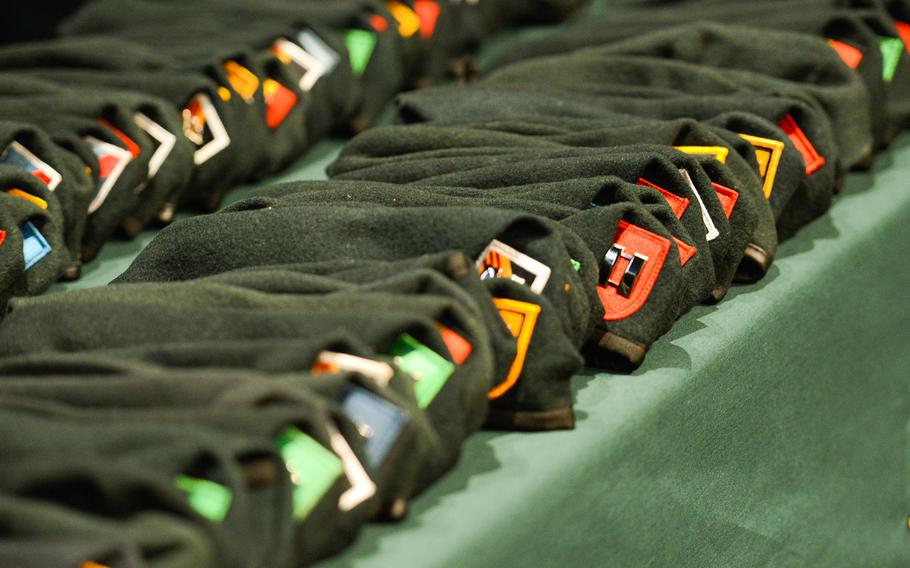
x: 360, y: 44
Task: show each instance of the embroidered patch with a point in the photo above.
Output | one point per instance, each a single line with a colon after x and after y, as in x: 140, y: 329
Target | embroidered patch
x: 244, y: 82
x: 768, y: 153
x: 360, y: 44
x: 849, y: 54
x: 499, y: 260
x: 408, y: 21
x: 630, y: 269
x: 2, y: 237
x: 19, y: 156
x: 813, y: 159
x: 521, y: 319
x: 34, y: 246
x: 313, y: 469
x: 305, y: 69
x: 315, y: 46
x: 727, y: 197
x: 209, y: 499
x: 362, y: 487
x: 203, y: 127
x: 686, y: 251
x: 332, y: 362
x: 378, y: 421
x: 575, y: 265
x: 163, y: 140
x: 28, y: 197
x: 112, y: 160
x: 891, y: 55
x: 379, y: 23
x: 720, y: 153
x: 459, y: 347
x: 711, y: 231
x: 677, y: 203
x: 429, y: 369
x: 279, y: 102
x: 428, y: 11
x: 90, y: 564
x: 128, y: 142
x: 903, y: 30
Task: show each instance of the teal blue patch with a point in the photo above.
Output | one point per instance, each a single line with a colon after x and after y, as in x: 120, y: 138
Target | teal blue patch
x: 34, y: 245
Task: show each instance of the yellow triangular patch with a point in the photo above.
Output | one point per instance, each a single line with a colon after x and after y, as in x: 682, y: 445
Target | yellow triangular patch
x: 768, y: 152
x: 719, y: 152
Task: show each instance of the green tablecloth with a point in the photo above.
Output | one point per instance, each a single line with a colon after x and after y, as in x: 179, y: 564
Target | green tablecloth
x: 770, y: 430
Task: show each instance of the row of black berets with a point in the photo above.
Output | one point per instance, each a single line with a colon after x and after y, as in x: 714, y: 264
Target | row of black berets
x: 255, y: 417
x: 724, y: 138
x: 523, y: 222
x: 137, y: 109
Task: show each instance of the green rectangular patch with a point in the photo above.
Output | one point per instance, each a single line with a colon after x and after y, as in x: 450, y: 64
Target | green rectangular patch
x: 313, y: 469
x: 209, y: 499
x: 429, y: 369
x: 360, y: 44
x: 891, y: 47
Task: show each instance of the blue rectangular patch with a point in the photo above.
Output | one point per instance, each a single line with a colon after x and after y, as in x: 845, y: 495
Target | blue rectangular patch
x: 34, y: 245
x: 379, y: 421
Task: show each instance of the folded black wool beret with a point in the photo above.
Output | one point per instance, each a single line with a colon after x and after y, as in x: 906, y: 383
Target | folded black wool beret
x: 865, y: 36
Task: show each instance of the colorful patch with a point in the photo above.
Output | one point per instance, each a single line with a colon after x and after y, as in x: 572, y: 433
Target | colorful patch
x: 209, y: 499
x: 849, y: 54
x: 428, y: 11
x: 313, y: 469
x: 686, y: 251
x: 813, y: 159
x: 720, y: 153
x: 903, y: 30
x: 408, y: 21
x: 575, y: 265
x: 112, y: 160
x: 315, y: 46
x: 711, y: 231
x: 128, y: 142
x: 378, y: 421
x: 459, y: 347
x: 521, y: 319
x: 90, y: 564
x: 332, y: 362
x: 727, y: 197
x: 203, y: 127
x: 34, y: 246
x: 499, y: 260
x: 2, y: 237
x: 28, y: 197
x: 379, y: 23
x: 360, y: 44
x: 244, y: 82
x: 19, y: 156
x: 303, y: 68
x: 279, y: 102
x: 677, y: 204
x: 891, y: 47
x: 630, y: 270
x: 429, y: 369
x: 768, y: 153
x: 362, y: 487
x: 163, y: 140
